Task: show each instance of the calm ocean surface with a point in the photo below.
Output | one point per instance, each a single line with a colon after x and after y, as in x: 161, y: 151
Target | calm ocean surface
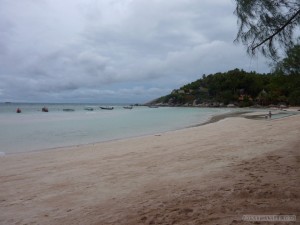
x: 36, y: 130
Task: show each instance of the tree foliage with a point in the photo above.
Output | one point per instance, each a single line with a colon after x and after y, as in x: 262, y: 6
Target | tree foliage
x: 291, y: 63
x: 267, y: 25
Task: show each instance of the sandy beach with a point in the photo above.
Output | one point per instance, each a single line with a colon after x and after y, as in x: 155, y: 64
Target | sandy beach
x: 211, y: 174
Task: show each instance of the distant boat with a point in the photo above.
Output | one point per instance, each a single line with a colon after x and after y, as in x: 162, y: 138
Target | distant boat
x: 153, y: 106
x: 89, y: 108
x: 69, y: 110
x: 18, y: 110
x: 107, y: 107
x: 127, y: 107
x: 45, y: 109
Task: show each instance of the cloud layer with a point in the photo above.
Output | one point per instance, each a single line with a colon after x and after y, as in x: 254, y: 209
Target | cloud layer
x: 113, y: 50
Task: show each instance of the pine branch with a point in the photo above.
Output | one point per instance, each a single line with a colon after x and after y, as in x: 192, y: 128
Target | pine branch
x: 277, y: 32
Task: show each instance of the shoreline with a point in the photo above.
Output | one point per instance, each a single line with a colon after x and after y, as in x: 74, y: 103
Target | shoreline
x: 212, y: 119
x: 217, y: 118
x: 113, y: 140
x: 90, y: 135
x: 255, y: 115
x: 208, y: 174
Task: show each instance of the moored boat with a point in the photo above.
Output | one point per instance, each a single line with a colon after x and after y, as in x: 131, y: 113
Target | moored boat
x: 45, y: 109
x: 107, y: 107
x: 69, y: 110
x: 89, y: 108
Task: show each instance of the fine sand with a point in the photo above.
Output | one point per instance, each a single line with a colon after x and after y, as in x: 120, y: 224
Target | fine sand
x: 211, y: 174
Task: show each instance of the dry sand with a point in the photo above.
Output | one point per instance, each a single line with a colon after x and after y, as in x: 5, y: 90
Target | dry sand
x: 212, y: 174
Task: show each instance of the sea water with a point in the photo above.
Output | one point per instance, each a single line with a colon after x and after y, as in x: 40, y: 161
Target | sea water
x: 36, y: 130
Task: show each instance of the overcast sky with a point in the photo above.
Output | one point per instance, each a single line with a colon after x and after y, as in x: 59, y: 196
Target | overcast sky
x: 114, y: 50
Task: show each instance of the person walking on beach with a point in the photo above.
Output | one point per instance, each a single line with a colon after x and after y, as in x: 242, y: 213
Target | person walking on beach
x: 270, y: 114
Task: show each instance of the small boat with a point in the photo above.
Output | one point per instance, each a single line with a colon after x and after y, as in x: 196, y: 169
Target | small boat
x: 127, y: 107
x: 18, y: 110
x: 107, y: 107
x: 45, y: 109
x: 69, y: 110
x: 89, y: 108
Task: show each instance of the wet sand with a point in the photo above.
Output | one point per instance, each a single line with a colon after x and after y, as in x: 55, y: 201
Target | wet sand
x: 211, y: 174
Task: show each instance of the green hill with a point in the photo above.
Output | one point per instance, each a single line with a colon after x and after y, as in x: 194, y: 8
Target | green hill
x: 236, y: 87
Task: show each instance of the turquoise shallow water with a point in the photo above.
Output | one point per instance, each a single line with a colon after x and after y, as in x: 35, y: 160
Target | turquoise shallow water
x: 34, y: 130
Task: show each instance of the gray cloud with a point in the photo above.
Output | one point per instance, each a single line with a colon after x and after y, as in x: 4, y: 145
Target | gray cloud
x: 118, y: 50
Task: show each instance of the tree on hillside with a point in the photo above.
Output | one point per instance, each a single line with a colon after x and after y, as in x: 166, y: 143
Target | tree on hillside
x: 267, y: 25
